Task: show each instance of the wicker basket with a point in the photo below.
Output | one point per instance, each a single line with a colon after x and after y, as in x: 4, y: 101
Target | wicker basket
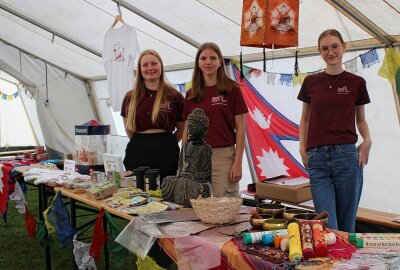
x: 216, y: 210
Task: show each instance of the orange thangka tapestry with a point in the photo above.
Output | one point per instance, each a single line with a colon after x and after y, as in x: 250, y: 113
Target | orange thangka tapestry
x: 270, y: 23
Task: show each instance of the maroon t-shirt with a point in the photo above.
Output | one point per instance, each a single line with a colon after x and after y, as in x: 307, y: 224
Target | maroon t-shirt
x: 170, y: 111
x: 333, y: 110
x: 221, y: 111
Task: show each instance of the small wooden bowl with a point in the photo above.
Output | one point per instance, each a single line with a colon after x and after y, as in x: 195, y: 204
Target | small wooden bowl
x: 271, y: 208
x: 257, y: 223
x: 275, y: 224
x: 288, y: 214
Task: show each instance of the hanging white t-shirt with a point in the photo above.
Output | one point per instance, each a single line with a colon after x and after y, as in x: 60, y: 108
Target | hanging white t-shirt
x: 120, y: 48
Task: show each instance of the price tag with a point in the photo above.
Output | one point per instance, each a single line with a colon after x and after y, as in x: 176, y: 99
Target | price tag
x: 69, y: 166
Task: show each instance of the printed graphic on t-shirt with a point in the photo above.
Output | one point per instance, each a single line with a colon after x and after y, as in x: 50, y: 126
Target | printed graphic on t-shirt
x: 343, y: 90
x: 118, y: 53
x: 166, y: 107
x: 219, y: 100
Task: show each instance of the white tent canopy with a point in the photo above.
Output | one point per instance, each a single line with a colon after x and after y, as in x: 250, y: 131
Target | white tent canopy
x: 69, y: 34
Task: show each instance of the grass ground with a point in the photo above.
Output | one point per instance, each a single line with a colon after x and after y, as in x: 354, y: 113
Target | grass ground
x: 18, y: 251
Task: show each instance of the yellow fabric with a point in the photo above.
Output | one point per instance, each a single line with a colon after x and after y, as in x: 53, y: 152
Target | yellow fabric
x: 155, y: 193
x: 298, y: 80
x: 49, y: 227
x: 188, y: 85
x: 390, y: 65
x: 147, y: 264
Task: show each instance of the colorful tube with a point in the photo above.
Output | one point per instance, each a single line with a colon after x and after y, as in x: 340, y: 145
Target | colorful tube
x: 353, y: 236
x: 277, y: 241
x: 307, y: 240
x: 295, y: 253
x: 256, y: 237
x: 378, y: 242
x: 285, y: 244
x: 320, y: 247
x: 330, y: 238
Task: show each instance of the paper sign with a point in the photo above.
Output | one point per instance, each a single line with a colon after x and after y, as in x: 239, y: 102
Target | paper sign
x: 69, y: 166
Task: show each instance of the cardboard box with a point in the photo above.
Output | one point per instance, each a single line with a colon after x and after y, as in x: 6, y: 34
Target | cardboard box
x: 284, y: 193
x: 101, y: 192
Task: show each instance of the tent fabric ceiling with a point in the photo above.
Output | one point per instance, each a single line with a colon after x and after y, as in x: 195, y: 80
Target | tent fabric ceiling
x: 80, y: 25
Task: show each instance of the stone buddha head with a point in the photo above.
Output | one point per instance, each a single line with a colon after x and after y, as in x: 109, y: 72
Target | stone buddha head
x: 197, y: 126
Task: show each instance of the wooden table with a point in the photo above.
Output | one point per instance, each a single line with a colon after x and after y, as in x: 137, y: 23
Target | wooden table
x: 366, y: 215
x: 73, y: 198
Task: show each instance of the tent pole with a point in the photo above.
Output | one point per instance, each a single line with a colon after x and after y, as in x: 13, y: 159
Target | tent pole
x: 396, y: 96
x: 92, y: 103
x: 29, y: 120
x: 361, y: 20
x: 48, y: 29
x: 44, y: 61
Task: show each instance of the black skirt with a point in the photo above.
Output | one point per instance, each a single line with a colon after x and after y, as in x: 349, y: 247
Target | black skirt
x: 156, y: 150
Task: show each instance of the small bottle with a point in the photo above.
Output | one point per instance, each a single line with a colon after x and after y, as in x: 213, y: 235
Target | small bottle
x: 295, y: 253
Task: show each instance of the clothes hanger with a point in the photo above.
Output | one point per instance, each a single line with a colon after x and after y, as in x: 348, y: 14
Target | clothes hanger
x: 118, y: 18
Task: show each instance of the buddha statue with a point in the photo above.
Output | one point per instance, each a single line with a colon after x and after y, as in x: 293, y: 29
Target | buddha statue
x: 193, y: 177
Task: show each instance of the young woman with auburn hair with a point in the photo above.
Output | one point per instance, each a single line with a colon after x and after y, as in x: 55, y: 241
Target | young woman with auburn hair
x: 333, y: 105
x: 223, y: 103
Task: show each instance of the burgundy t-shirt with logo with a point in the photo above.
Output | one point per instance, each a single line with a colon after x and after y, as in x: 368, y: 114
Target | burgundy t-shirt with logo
x: 221, y: 111
x: 170, y: 111
x: 332, y: 110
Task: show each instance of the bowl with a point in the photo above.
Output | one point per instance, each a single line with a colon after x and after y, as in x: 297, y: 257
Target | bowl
x: 288, y: 214
x: 271, y: 208
x: 257, y: 223
x: 309, y: 217
x: 275, y: 224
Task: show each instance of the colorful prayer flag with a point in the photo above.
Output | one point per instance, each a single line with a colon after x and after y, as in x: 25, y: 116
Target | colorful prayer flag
x: 116, y: 249
x: 100, y: 237
x: 42, y: 234
x: 58, y: 217
x: 30, y: 223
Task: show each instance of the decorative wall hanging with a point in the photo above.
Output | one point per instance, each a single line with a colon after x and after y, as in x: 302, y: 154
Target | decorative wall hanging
x: 270, y: 23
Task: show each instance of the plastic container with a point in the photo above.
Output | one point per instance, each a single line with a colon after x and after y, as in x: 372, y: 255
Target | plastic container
x: 139, y: 177
x: 152, y: 177
x: 91, y: 142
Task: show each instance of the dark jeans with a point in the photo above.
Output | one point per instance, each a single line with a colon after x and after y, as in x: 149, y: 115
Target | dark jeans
x: 336, y: 182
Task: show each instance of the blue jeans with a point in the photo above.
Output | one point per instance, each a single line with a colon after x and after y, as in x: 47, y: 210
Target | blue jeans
x: 336, y: 182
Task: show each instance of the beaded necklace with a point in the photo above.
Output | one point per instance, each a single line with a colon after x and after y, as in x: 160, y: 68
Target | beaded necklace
x: 330, y: 85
